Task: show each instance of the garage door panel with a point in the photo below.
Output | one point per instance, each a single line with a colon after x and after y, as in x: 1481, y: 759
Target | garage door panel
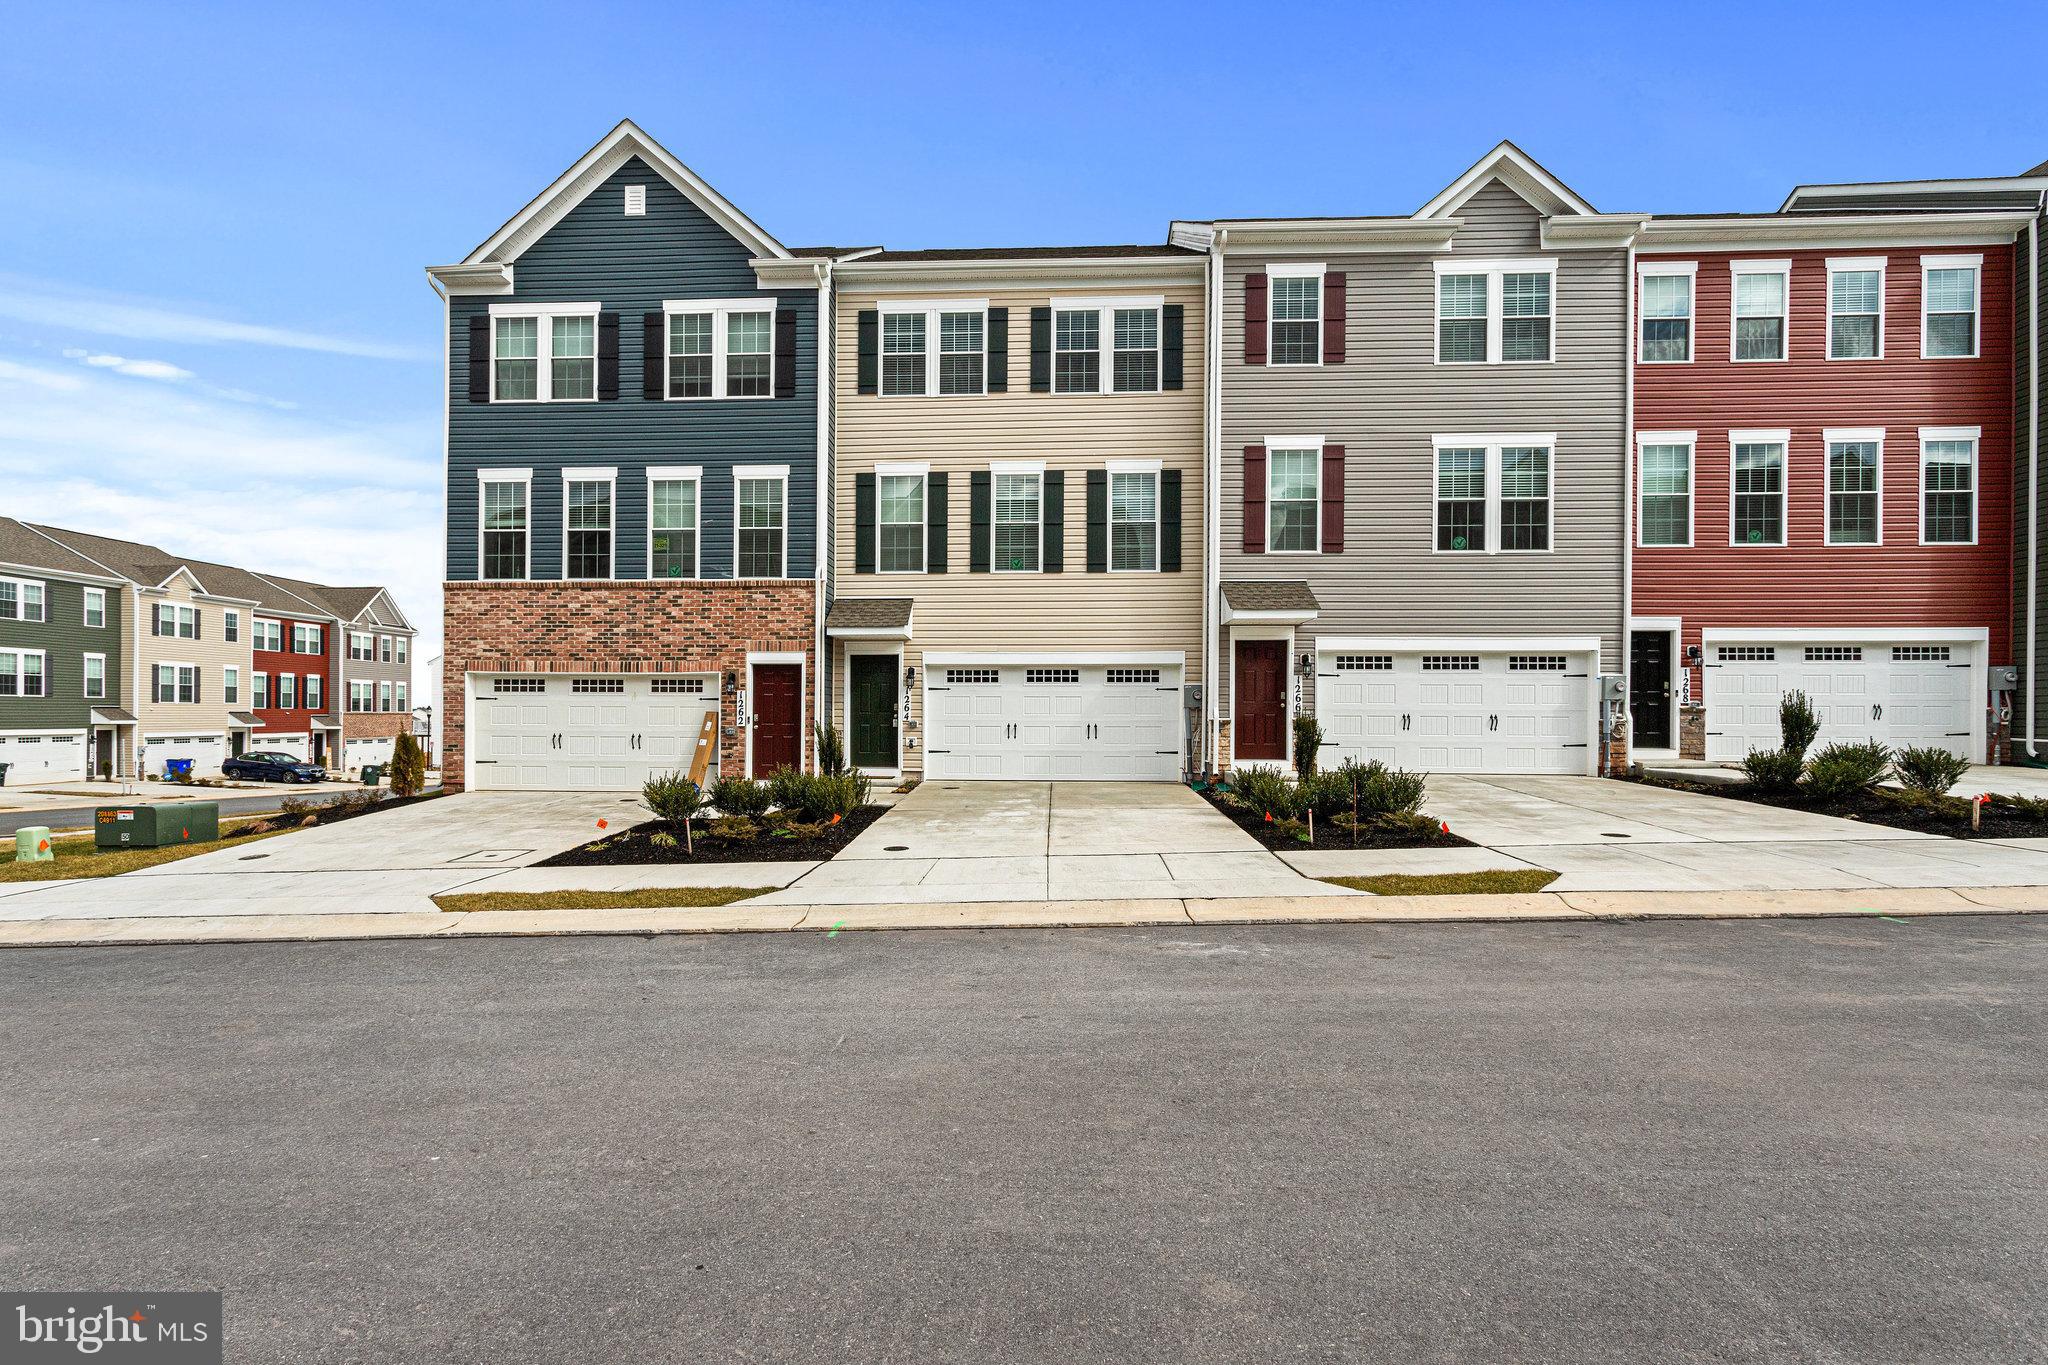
x: 1053, y: 722
x: 1490, y: 712
x: 1899, y: 695
x: 597, y: 740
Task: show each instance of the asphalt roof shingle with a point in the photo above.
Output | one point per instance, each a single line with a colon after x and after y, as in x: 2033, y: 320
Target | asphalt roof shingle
x: 869, y: 613
x: 1256, y: 594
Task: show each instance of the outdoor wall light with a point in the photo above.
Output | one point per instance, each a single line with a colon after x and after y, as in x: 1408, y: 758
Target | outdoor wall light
x: 909, y: 677
x: 1308, y: 663
x: 1692, y: 654
x: 731, y: 682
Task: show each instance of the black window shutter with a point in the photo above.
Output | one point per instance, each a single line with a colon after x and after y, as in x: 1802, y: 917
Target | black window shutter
x: 156, y: 620
x: 607, y: 356
x: 863, y: 523
x: 1171, y: 322
x: 870, y: 343
x: 1041, y: 350
x: 977, y: 521
x: 1169, y: 521
x: 1053, y: 541
x: 197, y: 674
x: 935, y: 524
x: 998, y: 350
x: 1098, y: 521
x: 785, y: 353
x: 198, y: 628
x: 480, y: 358
x: 653, y: 356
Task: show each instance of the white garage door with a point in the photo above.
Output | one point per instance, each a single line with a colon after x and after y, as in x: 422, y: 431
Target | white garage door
x: 1457, y: 712
x: 1900, y: 694
x: 585, y: 733
x: 298, y: 746
x: 357, y: 752
x: 42, y: 758
x: 207, y: 753
x: 1053, y: 722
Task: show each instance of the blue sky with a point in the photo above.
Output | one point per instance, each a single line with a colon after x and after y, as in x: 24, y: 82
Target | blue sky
x: 215, y: 332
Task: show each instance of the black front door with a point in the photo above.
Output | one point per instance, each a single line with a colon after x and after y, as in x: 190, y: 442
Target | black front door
x: 873, y: 741
x: 1649, y: 687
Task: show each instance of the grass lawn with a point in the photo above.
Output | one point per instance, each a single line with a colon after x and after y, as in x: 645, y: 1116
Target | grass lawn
x: 1495, y: 883
x: 646, y: 898
x: 76, y: 856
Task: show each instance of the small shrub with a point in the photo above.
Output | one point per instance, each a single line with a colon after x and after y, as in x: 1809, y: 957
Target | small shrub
x: 1263, y: 791
x: 661, y: 838
x: 1843, y: 770
x: 408, y: 771
x: 292, y: 807
x: 840, y: 794
x: 831, y: 752
x: 1308, y: 742
x: 741, y: 796
x: 1328, y: 794
x: 737, y: 829
x: 1389, y: 791
x: 2033, y: 807
x: 1774, y: 772
x: 1797, y: 724
x: 1930, y: 769
x: 788, y: 788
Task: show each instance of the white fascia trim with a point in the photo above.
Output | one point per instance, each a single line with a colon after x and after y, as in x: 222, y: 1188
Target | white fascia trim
x: 760, y: 303
x: 1098, y: 301
x: 1511, y: 164
x: 903, y: 468
x: 1652, y: 266
x: 1780, y: 266
x: 1293, y: 443
x: 760, y: 471
x: 674, y: 471
x: 1267, y: 618
x: 1666, y: 438
x: 930, y: 305
x: 1829, y: 435
x: 1952, y: 262
x: 1480, y: 265
x: 1876, y: 263
x: 1759, y: 436
x: 1153, y: 658
x: 491, y: 277
x: 1296, y: 269
x: 1133, y: 466
x: 536, y: 310
x: 1464, y: 644
x: 868, y: 632
x: 1951, y: 433
x: 1908, y: 635
x: 590, y: 473
x: 1016, y: 466
x: 781, y: 656
x: 501, y: 475
x: 1496, y: 438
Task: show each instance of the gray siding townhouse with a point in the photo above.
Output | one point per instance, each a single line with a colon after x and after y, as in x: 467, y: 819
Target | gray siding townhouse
x: 64, y: 695
x: 1420, y: 475
x: 635, y: 422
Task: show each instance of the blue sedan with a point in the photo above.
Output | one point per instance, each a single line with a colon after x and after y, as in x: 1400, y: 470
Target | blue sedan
x: 272, y: 765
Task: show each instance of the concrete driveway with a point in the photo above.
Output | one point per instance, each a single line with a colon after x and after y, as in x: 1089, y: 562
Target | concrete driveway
x: 1027, y: 841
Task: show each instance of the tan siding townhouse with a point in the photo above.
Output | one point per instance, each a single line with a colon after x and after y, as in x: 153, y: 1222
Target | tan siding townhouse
x: 1018, y: 512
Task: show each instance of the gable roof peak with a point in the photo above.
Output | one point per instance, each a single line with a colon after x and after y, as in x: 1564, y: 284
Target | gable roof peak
x: 1517, y: 170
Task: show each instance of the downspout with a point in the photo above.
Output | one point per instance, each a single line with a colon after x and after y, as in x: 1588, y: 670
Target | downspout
x: 821, y: 553
x: 1628, y: 517
x: 2033, y: 456
x: 1212, y: 510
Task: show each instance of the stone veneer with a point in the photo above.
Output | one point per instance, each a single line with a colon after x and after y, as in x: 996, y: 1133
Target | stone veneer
x: 706, y: 626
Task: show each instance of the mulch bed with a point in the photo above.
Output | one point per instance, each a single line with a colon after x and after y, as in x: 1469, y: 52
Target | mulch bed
x: 324, y: 814
x: 1333, y: 838
x: 1887, y: 806
x: 633, y: 847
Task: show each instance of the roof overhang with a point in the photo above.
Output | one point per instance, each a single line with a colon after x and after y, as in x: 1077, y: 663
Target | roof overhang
x: 1610, y: 230
x: 993, y: 273
x: 1520, y: 172
x: 792, y: 272
x: 491, y: 277
x: 325, y: 723
x: 2036, y: 184
x: 901, y: 632
x: 1281, y: 236
x: 111, y: 715
x: 68, y: 575
x: 1231, y: 616
x: 1815, y: 231
x: 242, y: 720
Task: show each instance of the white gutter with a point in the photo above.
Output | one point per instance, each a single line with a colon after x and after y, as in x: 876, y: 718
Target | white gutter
x: 2033, y: 455
x: 1628, y: 525
x: 821, y: 554
x: 1212, y: 512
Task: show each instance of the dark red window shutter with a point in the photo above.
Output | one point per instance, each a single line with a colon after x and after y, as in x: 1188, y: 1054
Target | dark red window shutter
x: 1255, y: 318
x: 1333, y: 318
x: 1333, y: 500
x: 1255, y: 498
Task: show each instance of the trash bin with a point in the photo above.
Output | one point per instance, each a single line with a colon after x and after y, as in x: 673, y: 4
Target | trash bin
x: 178, y: 769
x: 3, y: 773
x: 158, y: 825
x: 373, y: 774
x: 32, y: 844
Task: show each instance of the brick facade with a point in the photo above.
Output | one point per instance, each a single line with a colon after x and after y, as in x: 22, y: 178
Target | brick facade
x: 631, y: 627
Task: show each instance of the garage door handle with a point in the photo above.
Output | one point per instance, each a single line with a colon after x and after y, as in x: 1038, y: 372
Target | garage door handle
x: 1404, y: 722
x: 1876, y: 711
x: 1493, y: 722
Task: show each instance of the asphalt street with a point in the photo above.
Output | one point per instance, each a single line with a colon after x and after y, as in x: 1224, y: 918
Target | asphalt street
x: 80, y: 817
x: 1701, y: 1141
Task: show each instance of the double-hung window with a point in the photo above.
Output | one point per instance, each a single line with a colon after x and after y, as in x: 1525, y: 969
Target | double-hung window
x: 268, y: 635
x: 1106, y: 345
x: 1664, y: 483
x: 586, y: 526
x: 503, y: 513
x: 721, y: 348
x: 1133, y: 520
x: 900, y: 518
x: 261, y: 698
x: 287, y: 691
x: 305, y: 638
x: 383, y: 696
x: 1855, y: 307
x: 1018, y: 520
x: 543, y: 353
x: 1756, y: 510
x: 1948, y: 305
x: 231, y: 685
x: 403, y: 648
x: 1493, y: 493
x: 672, y: 527
x: 1493, y: 312
x: 384, y: 648
x: 1294, y: 490
x: 96, y: 608
x: 22, y: 600
x: 312, y: 691
x: 1948, y: 485
x: 401, y: 697
x: 22, y: 673
x: 177, y: 622
x: 1295, y: 308
x: 762, y: 495
x: 912, y: 364
x: 1855, y: 486
x: 96, y: 677
x: 1666, y: 302
x: 1761, y: 293
x: 231, y: 626
x: 177, y: 683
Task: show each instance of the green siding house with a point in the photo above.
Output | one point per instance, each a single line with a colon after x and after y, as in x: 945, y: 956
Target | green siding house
x: 62, y: 625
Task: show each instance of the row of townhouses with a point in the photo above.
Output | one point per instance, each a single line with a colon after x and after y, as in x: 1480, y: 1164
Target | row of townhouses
x: 117, y: 656
x: 1505, y: 483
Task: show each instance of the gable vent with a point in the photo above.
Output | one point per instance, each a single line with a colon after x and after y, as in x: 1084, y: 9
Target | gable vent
x: 636, y: 201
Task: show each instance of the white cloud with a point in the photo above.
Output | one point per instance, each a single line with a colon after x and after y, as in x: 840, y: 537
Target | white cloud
x: 79, y: 311
x: 140, y: 369
x: 37, y: 377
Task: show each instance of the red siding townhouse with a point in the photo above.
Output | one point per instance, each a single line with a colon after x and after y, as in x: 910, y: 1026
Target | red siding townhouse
x: 1822, y: 476
x: 291, y: 694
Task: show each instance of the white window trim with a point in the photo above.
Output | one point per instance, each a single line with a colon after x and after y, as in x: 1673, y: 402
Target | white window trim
x: 21, y: 597
x: 259, y: 690
x: 1496, y: 303
x: 42, y: 673
x: 1781, y: 268
x: 260, y: 630
x: 1105, y: 342
x: 1975, y: 264
x: 1494, y: 442
x: 719, y: 309
x: 1839, y: 265
x: 231, y: 626
x: 156, y: 682
x: 921, y: 470
x: 85, y: 608
x: 606, y: 474
x: 85, y: 677
x: 1783, y: 438
x: 678, y: 473
x: 760, y: 471
x: 544, y: 347
x: 1035, y: 469
x: 231, y: 680
x: 1294, y: 270
x: 1828, y: 439
x: 504, y: 475
x: 1689, y: 269
x: 1156, y: 469
x: 1274, y: 443
x: 1975, y: 436
x: 287, y: 692
x: 931, y: 308
x: 312, y: 692
x: 1691, y: 441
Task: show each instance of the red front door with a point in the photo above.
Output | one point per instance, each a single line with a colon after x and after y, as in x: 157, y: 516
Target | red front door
x: 1259, y: 726
x: 778, y: 718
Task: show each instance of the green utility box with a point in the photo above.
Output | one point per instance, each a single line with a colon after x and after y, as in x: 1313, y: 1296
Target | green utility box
x: 156, y: 826
x: 32, y: 844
